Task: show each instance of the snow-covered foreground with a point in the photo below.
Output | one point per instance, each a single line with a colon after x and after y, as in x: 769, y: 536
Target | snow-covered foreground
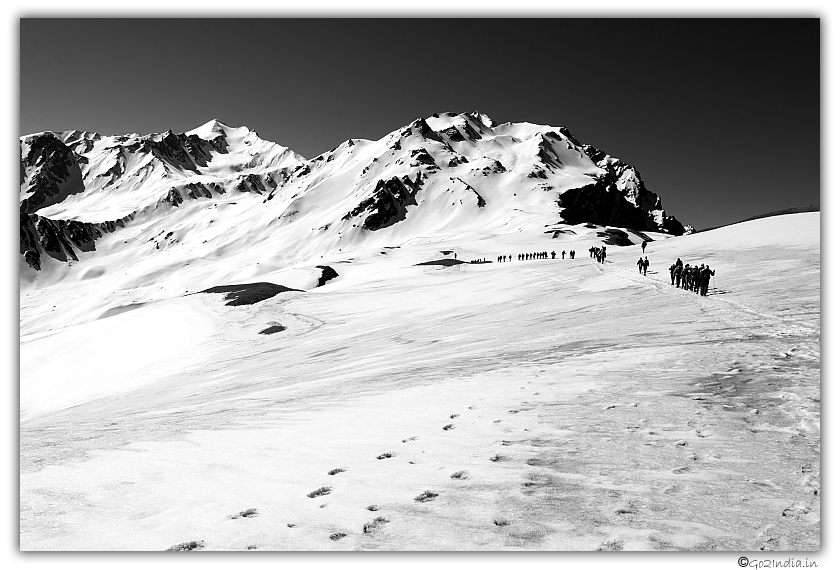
x: 554, y: 404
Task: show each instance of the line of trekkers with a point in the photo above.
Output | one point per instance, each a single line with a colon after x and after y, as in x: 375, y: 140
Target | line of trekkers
x: 536, y: 255
x: 691, y: 278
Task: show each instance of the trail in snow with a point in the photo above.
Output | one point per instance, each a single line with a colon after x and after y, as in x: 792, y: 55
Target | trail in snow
x: 587, y: 408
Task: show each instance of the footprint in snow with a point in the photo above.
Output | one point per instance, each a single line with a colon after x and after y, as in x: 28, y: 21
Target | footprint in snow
x: 412, y: 438
x: 459, y: 475
x: 187, y: 546
x: 425, y: 496
x: 319, y: 492
x: 453, y: 416
x: 244, y: 514
x: 386, y: 455
x: 336, y: 471
x: 337, y: 536
x: 374, y: 524
x: 448, y: 427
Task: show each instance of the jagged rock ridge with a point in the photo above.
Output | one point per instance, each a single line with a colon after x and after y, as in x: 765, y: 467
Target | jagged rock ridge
x: 446, y: 172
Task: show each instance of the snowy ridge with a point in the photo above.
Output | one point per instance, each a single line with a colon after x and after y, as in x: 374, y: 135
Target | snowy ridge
x: 227, y: 203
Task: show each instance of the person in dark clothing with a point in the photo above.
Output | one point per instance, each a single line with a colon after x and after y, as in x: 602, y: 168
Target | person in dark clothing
x: 644, y: 245
x: 641, y: 264
x: 671, y: 271
x: 572, y: 254
x: 553, y: 255
x: 645, y: 265
x: 705, y: 275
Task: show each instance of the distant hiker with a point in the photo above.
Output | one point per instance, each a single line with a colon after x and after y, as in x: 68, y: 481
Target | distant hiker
x: 678, y: 265
x: 644, y: 245
x: 671, y: 271
x: 705, y: 275
x: 641, y: 264
x: 564, y: 254
x: 603, y: 253
x: 510, y: 258
x: 645, y: 265
x: 456, y: 256
x: 572, y: 254
x: 553, y: 255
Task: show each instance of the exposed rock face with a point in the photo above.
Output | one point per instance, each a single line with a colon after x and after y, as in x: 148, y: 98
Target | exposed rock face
x: 251, y: 183
x: 387, y: 205
x: 181, y: 151
x: 54, y: 173
x: 327, y: 273
x: 60, y: 239
x: 445, y: 172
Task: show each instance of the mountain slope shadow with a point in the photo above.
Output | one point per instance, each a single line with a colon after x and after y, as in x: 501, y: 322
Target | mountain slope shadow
x: 249, y: 293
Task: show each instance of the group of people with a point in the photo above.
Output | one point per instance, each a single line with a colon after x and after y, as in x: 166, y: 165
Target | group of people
x: 599, y: 253
x: 691, y: 278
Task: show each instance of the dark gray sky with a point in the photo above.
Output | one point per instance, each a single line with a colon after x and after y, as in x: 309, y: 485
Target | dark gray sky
x: 720, y: 116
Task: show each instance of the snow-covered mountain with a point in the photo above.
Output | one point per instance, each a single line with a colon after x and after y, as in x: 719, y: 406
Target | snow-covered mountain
x: 216, y: 190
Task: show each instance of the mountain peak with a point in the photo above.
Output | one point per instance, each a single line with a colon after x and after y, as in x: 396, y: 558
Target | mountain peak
x: 210, y: 130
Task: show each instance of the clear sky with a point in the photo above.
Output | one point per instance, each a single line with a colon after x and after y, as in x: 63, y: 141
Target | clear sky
x: 720, y: 116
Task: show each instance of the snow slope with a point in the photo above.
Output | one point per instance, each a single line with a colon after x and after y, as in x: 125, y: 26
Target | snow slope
x: 163, y: 214
x: 544, y: 405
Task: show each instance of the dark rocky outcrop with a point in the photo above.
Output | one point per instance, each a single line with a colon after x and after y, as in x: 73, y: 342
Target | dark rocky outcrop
x: 55, y: 173
x: 60, y: 239
x: 327, y: 273
x: 387, y: 205
x: 248, y: 293
x: 251, y: 183
x: 421, y: 127
x: 421, y: 157
x: 601, y: 203
x: 182, y: 151
x: 614, y: 236
x: 445, y: 262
